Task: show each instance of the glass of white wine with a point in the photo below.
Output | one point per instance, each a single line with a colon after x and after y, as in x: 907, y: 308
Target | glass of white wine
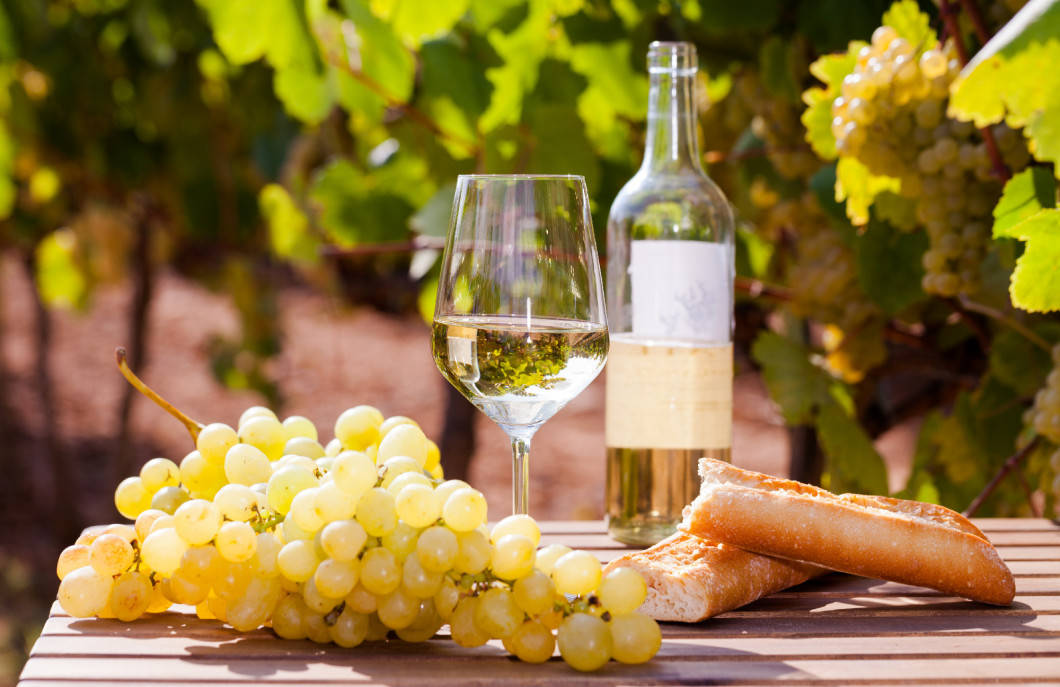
x: 520, y: 323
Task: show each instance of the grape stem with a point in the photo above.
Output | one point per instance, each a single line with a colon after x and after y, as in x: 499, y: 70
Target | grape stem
x: 123, y: 364
x: 1012, y: 463
x: 1006, y: 320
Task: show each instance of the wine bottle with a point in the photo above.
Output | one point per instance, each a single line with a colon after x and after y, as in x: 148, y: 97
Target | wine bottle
x: 670, y: 267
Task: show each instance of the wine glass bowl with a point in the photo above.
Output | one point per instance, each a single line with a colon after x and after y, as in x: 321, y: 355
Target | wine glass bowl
x: 519, y: 323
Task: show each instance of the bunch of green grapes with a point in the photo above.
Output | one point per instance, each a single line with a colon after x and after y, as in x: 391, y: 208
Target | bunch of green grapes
x: 891, y: 116
x: 824, y: 282
x: 262, y: 525
x: 1044, y: 416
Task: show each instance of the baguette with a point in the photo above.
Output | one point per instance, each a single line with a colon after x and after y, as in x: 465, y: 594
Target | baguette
x: 874, y: 536
x: 690, y: 579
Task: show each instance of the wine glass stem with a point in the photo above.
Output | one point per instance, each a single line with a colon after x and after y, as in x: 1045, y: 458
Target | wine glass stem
x: 521, y: 474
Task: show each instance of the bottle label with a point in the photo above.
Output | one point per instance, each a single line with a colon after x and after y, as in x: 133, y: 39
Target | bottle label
x: 681, y: 290
x: 668, y: 396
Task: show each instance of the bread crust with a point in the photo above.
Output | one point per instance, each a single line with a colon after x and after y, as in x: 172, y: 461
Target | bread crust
x: 875, y: 536
x: 690, y: 578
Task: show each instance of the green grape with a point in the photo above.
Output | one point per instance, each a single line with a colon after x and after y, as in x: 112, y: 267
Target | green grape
x: 534, y: 593
x: 200, y: 477
x: 622, y: 591
x: 317, y: 601
x: 343, y: 540
x: 285, y: 483
x: 197, y: 521
x: 474, y: 553
x: 462, y: 626
x: 404, y: 440
x: 354, y: 472
x: 303, y: 446
x: 236, y: 502
x: 532, y: 642
x: 253, y: 412
x: 131, y: 497
x: 333, y: 448
x: 303, y: 510
x: 497, y: 614
x: 199, y: 564
x: 635, y: 638
x: 291, y: 531
x: 264, y: 433
x: 464, y: 510
x: 265, y: 556
x: 316, y: 628
x: 437, y: 549
x: 181, y: 590
x: 247, y: 464
x: 162, y: 550
x: 377, y: 631
x: 336, y: 578
x: 517, y: 524
x: 395, y: 467
x: 548, y: 555
x: 405, y: 479
x: 168, y: 499
x: 298, y: 560
x: 130, y: 596
x: 110, y: 555
x: 415, y: 505
x: 446, y: 598
x: 236, y: 542
x: 362, y: 600
x: 253, y: 607
x: 424, y: 626
x: 299, y: 426
x: 331, y: 503
x: 287, y: 617
x: 84, y: 592
x: 159, y: 472
x: 394, y: 421
x: 584, y: 641
x: 513, y: 557
x: 145, y: 520
x: 417, y: 580
x: 214, y: 441
x: 72, y: 557
x: 577, y: 572
x: 349, y: 629
x: 380, y: 571
x: 398, y: 609
x: 401, y: 541
x: 358, y: 427
x: 376, y: 513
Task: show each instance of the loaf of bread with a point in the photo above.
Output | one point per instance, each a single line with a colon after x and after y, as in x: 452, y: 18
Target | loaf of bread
x: 690, y: 579
x: 874, y: 536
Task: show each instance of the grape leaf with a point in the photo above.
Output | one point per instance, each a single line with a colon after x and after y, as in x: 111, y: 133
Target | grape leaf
x: 305, y: 93
x: 8, y: 190
x: 486, y: 13
x: 1013, y: 77
x: 889, y: 265
x: 817, y: 117
x: 778, y: 68
x: 960, y: 443
x: 911, y: 24
x: 1025, y: 194
x: 288, y: 226
x: 723, y: 16
x: 829, y: 24
x: 414, y: 20
x: 1018, y: 363
x: 450, y: 72
x: 351, y: 212
x: 608, y: 70
x: 433, y: 218
x: 380, y: 54
x: 1035, y: 283
x: 795, y: 383
x: 560, y: 145
x: 522, y: 51
x: 858, y: 187
x: 8, y: 43
x: 854, y: 465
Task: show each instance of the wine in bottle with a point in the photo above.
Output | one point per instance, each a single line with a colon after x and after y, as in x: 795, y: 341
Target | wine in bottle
x: 670, y: 267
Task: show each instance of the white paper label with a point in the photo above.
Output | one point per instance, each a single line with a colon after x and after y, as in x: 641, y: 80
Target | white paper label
x: 681, y: 290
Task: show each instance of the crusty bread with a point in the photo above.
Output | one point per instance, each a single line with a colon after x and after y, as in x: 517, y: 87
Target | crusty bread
x: 690, y: 579
x: 875, y: 536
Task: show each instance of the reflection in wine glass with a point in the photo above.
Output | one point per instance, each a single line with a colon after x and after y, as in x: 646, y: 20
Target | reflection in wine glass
x: 519, y: 324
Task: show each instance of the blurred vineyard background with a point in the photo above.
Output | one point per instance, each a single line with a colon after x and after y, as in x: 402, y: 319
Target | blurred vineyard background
x: 250, y: 195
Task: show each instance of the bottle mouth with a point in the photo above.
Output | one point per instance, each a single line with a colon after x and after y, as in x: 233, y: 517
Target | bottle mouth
x: 676, y: 58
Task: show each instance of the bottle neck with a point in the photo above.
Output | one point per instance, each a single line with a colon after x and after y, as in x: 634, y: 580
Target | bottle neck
x: 671, y: 144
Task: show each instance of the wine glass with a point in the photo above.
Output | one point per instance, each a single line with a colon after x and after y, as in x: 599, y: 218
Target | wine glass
x: 519, y: 325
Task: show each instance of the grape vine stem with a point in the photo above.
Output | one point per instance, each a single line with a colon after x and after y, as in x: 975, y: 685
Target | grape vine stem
x: 1012, y: 463
x: 1006, y: 320
x: 123, y: 364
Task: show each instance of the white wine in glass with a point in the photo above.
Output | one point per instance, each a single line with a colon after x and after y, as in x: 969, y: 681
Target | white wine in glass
x: 519, y: 325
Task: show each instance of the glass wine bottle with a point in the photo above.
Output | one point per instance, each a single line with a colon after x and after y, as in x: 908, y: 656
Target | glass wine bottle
x: 670, y: 267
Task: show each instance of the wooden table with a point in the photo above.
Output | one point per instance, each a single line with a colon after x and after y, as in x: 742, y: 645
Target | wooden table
x: 838, y: 629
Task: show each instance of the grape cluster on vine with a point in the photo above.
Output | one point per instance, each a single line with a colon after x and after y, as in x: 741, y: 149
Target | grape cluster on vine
x: 262, y: 525
x: 891, y: 116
